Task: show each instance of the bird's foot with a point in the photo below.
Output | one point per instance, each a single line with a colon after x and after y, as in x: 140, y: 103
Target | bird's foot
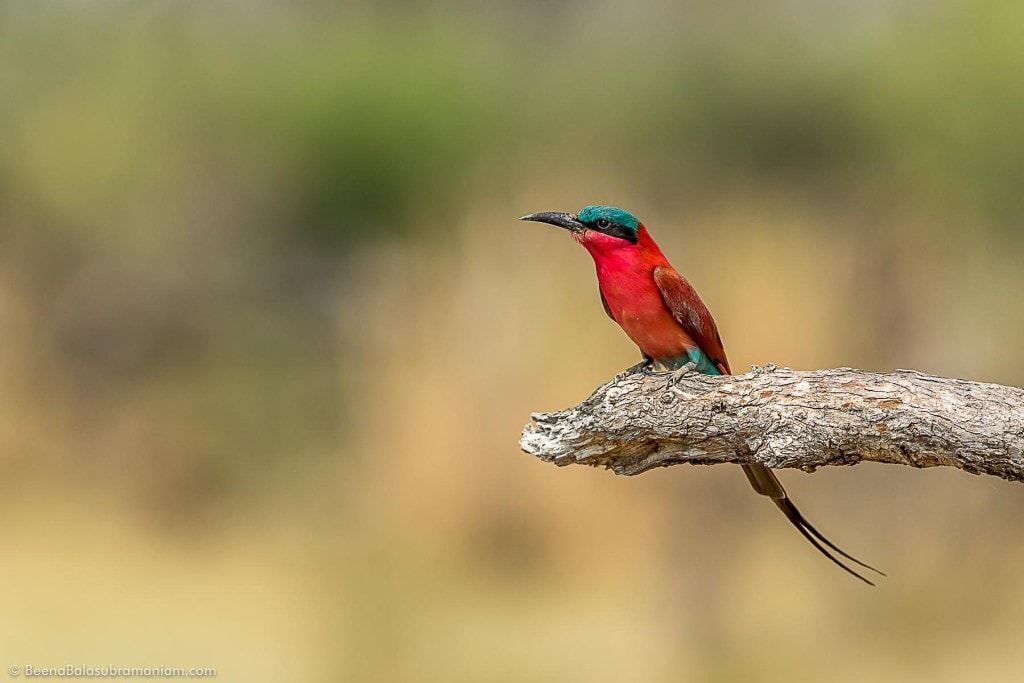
x: 643, y: 367
x: 681, y: 372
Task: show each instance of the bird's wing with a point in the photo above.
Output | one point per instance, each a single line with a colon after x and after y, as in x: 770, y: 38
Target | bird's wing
x: 690, y: 312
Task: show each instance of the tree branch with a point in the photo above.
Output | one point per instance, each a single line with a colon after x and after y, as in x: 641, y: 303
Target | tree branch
x: 786, y: 418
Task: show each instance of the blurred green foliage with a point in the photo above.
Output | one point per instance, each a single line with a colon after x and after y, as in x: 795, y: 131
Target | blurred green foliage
x: 363, y: 123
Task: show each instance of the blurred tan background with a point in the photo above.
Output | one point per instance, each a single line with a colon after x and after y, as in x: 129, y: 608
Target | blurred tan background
x: 270, y: 330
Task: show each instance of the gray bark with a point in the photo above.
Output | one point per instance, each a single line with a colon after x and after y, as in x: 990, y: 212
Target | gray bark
x: 786, y: 418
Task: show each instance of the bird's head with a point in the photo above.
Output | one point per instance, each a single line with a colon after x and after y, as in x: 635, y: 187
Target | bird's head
x: 593, y: 225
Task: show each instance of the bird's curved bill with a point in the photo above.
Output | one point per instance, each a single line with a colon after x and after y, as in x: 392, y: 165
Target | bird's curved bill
x: 562, y: 220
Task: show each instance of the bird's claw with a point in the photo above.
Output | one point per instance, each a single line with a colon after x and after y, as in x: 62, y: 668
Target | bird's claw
x: 681, y: 372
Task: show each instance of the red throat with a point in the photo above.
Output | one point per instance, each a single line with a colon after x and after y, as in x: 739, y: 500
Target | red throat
x: 617, y: 252
x: 624, y: 273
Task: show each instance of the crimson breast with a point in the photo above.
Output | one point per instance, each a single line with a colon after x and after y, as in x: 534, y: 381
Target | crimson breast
x: 625, y: 275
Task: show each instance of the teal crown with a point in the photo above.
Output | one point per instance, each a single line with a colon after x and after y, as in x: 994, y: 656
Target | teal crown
x: 592, y: 214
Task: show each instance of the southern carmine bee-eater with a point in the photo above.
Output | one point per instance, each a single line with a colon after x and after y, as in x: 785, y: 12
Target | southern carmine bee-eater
x: 661, y: 312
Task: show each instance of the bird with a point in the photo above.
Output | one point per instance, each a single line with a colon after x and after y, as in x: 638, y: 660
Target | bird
x: 661, y: 312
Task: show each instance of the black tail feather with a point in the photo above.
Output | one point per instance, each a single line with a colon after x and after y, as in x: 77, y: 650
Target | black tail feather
x: 813, y: 535
x: 767, y: 484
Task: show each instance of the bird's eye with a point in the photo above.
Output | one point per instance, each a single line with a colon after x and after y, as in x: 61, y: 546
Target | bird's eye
x: 603, y: 223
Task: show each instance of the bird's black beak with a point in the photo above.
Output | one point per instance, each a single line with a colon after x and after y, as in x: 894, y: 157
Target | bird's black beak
x: 562, y: 220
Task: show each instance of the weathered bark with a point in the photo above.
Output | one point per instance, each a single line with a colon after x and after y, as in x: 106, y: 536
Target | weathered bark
x: 786, y: 418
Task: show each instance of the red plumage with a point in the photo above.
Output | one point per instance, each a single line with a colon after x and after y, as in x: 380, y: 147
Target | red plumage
x: 655, y: 306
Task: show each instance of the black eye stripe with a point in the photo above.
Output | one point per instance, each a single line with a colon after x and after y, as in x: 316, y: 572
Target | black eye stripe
x: 613, y: 229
